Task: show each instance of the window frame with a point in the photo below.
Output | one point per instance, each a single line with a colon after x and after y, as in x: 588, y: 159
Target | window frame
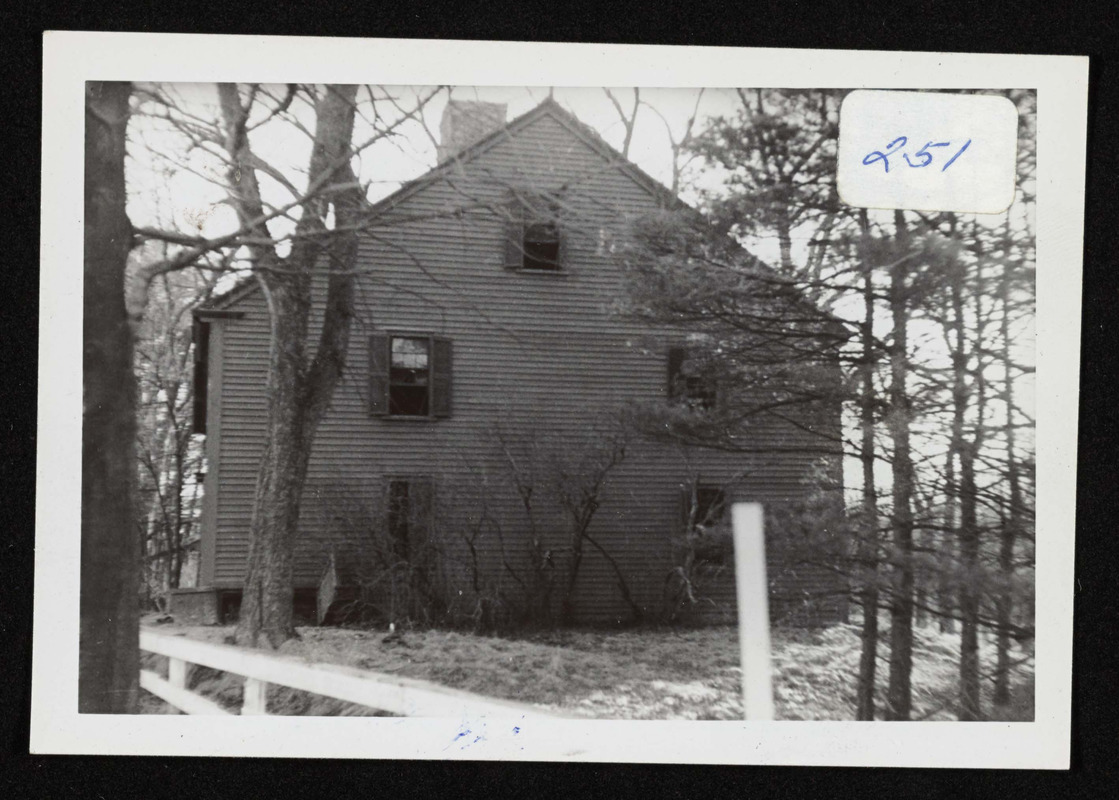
x: 415, y: 535
x: 525, y: 210
x: 439, y: 374
x: 719, y: 526
x: 430, y: 400
x: 554, y: 239
x: 697, y: 392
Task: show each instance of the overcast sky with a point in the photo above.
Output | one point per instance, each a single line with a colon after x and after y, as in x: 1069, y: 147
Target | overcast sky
x: 188, y: 201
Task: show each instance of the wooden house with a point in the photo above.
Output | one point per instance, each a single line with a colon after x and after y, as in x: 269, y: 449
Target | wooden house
x: 487, y: 355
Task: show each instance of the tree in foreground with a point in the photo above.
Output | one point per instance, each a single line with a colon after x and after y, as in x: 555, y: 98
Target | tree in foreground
x: 307, y: 239
x: 108, y: 648
x: 300, y: 383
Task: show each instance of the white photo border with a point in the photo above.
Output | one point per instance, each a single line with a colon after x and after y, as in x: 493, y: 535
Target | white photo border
x: 71, y: 58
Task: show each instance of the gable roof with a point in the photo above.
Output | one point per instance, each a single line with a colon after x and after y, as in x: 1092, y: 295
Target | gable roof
x: 221, y: 301
x: 548, y: 108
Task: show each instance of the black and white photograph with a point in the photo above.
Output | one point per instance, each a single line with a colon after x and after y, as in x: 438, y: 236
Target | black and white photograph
x: 509, y: 413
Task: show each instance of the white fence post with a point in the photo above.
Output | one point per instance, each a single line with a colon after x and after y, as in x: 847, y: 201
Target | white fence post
x: 255, y: 700
x: 753, y: 609
x: 177, y: 673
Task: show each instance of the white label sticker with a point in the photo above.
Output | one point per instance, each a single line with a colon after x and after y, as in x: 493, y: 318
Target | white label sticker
x: 927, y: 151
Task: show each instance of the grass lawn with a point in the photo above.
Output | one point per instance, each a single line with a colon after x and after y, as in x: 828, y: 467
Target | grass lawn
x: 635, y: 674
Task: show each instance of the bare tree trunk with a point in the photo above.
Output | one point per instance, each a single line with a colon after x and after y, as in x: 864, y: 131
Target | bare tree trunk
x: 175, y: 566
x: 299, y: 389
x: 920, y: 613
x: 969, y: 591
x: 969, y: 523
x: 1010, y: 529
x: 899, y: 695
x: 785, y: 243
x: 579, y: 490
x: 108, y: 648
x: 868, y: 547
x: 266, y: 602
x: 567, y: 603
x: 945, y: 591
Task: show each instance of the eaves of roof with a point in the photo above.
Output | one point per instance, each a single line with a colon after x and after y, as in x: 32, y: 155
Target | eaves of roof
x: 220, y: 302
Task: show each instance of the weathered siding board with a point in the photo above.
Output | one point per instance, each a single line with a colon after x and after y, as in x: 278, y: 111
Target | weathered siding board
x: 531, y: 351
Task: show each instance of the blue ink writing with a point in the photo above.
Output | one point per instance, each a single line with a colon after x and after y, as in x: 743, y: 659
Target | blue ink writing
x: 891, y: 148
x: 923, y: 153
x: 958, y: 154
x: 922, y: 158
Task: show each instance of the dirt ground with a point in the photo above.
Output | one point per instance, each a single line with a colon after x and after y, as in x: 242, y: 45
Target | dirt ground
x: 638, y: 674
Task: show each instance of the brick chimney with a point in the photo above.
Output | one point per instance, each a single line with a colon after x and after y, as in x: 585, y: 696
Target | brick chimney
x: 464, y: 123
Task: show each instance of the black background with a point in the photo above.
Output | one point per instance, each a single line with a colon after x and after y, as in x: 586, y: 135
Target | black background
x: 1058, y: 28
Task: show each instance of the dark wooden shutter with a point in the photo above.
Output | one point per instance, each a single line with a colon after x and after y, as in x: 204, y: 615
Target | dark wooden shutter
x: 201, y: 335
x: 379, y: 359
x: 515, y: 234
x: 676, y: 356
x: 564, y: 249
x: 441, y: 372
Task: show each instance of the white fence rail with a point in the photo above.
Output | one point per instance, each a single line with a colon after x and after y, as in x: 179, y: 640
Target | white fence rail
x: 395, y: 695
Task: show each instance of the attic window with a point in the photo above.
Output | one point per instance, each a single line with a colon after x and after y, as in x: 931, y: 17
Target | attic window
x: 534, y: 238
x: 541, y: 245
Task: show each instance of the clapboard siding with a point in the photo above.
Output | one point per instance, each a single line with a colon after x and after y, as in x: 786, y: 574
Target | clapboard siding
x: 532, y: 352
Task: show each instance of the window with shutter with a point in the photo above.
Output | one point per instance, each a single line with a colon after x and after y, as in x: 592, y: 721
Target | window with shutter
x: 410, y: 375
x: 534, y: 239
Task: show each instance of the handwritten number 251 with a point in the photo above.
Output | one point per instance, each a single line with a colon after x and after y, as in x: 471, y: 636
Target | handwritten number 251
x: 897, y: 144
